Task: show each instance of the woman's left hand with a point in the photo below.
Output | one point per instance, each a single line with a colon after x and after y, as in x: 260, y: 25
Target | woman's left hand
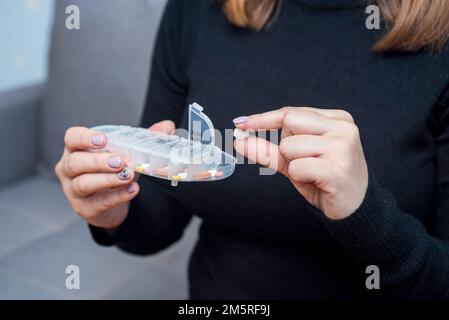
x: 320, y: 152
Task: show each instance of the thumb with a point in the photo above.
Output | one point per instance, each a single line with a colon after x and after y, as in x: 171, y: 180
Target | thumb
x: 166, y: 126
x: 262, y: 152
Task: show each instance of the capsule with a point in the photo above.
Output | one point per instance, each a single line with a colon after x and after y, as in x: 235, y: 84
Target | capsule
x: 143, y: 168
x: 208, y: 174
x: 162, y: 172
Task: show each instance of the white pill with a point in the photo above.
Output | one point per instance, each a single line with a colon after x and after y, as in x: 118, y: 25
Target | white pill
x: 213, y: 172
x: 239, y: 134
x: 183, y: 175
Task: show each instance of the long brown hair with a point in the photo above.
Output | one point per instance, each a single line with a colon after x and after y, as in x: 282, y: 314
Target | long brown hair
x: 411, y: 24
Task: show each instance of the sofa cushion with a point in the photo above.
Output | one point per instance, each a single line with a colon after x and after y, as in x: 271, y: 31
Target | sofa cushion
x: 99, y: 73
x: 40, y: 238
x: 19, y: 109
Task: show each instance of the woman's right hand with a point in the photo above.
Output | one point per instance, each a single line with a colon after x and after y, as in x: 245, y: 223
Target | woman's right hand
x: 98, y: 185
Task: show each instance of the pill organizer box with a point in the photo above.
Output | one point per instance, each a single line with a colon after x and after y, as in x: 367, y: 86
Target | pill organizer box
x: 172, y: 157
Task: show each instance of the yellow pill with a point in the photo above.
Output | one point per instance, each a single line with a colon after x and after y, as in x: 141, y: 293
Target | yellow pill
x: 176, y: 178
x: 139, y: 169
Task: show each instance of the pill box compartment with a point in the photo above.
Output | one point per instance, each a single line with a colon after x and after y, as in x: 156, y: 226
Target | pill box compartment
x: 169, y: 156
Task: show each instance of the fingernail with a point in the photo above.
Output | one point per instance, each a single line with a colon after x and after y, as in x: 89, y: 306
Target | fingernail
x: 97, y: 140
x: 131, y: 188
x: 115, y: 162
x: 240, y: 120
x: 125, y: 174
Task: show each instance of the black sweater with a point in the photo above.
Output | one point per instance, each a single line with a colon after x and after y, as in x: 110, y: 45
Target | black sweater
x: 259, y: 238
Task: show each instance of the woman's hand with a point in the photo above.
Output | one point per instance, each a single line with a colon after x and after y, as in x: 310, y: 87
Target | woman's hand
x: 320, y: 152
x: 98, y: 185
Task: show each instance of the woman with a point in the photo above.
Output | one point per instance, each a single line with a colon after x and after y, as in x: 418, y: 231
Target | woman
x: 336, y: 209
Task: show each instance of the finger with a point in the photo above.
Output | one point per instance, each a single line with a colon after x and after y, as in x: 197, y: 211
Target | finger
x: 80, y: 138
x: 302, y: 146
x: 97, y: 203
x: 293, y: 120
x: 166, y: 126
x: 80, y: 162
x: 309, y: 170
x: 59, y: 167
x: 335, y: 114
x: 337, y: 123
x: 90, y: 183
x: 274, y: 118
x: 268, y: 120
x: 262, y: 152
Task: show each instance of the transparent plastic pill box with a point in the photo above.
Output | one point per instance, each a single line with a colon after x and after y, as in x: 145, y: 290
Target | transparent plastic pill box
x: 172, y: 157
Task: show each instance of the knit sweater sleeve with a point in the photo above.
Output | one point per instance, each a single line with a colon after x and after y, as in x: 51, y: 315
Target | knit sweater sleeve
x: 413, y: 261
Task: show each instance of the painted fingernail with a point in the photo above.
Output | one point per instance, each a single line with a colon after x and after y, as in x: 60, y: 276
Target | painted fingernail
x: 131, y: 188
x: 240, y: 120
x: 115, y: 162
x: 97, y: 140
x: 125, y: 174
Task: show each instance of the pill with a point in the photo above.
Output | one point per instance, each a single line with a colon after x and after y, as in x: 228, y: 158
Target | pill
x: 142, y: 168
x: 183, y: 175
x: 239, y: 134
x: 139, y: 169
x: 202, y: 175
x: 176, y: 178
x: 146, y: 167
x: 162, y: 171
x: 219, y: 174
x: 208, y: 174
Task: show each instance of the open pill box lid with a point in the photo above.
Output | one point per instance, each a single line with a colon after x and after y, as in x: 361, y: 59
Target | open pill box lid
x: 172, y: 157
